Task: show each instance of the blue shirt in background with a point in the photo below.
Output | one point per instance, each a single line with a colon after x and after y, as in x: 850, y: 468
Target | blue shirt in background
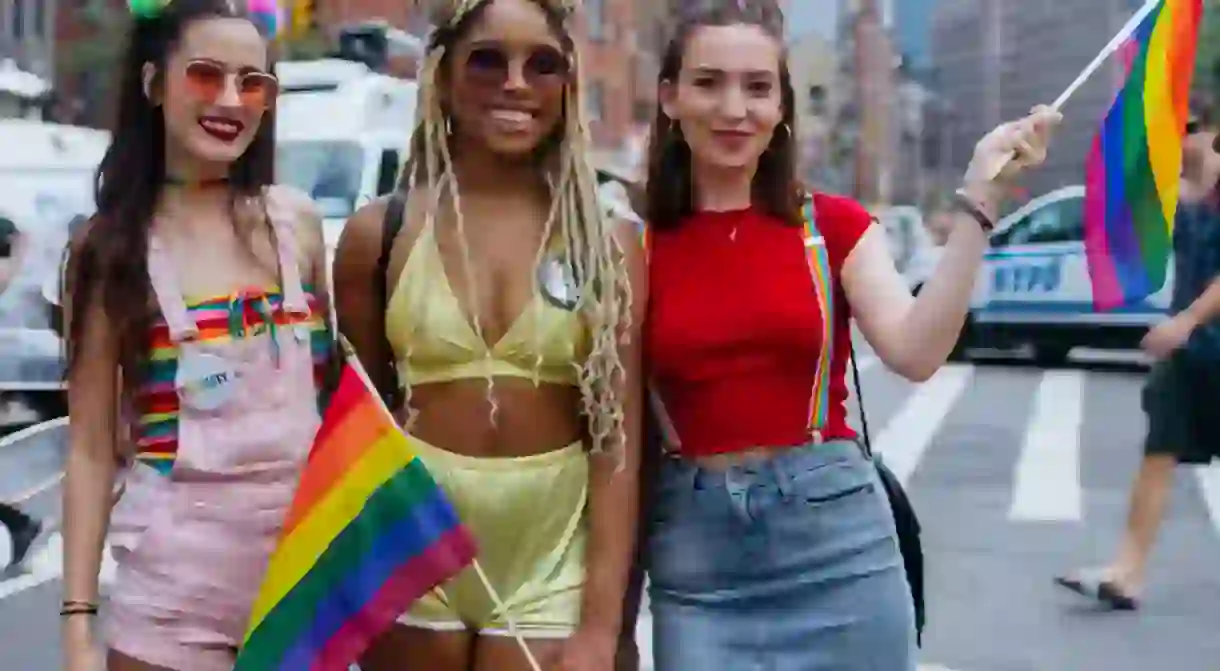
x: 1196, y: 249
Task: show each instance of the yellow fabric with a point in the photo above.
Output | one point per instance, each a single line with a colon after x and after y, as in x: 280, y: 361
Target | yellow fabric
x: 434, y: 341
x: 527, y: 515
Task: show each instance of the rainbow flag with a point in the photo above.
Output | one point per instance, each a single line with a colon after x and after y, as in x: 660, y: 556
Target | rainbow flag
x: 368, y: 533
x: 1133, y: 171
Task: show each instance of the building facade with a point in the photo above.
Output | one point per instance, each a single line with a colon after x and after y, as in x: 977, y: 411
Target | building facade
x: 994, y: 60
x: 813, y: 64
x: 27, y: 35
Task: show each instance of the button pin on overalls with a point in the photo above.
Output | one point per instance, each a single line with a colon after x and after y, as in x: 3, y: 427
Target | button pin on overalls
x: 204, y: 381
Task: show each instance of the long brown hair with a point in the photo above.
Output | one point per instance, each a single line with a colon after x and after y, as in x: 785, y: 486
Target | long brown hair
x: 591, y: 252
x: 670, y: 195
x: 108, y: 258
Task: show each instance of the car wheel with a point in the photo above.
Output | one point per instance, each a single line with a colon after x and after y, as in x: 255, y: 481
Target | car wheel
x: 1051, y: 354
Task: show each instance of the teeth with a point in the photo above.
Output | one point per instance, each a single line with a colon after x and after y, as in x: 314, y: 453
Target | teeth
x: 511, y: 116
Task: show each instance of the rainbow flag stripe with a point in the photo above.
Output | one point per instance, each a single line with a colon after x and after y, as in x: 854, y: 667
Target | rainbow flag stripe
x: 1133, y: 171
x: 368, y: 533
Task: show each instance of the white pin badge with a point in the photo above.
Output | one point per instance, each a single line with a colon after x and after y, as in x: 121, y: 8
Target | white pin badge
x: 204, y: 381
x: 558, y: 283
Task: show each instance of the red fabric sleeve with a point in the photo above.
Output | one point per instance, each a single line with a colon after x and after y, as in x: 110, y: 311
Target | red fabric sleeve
x: 842, y: 222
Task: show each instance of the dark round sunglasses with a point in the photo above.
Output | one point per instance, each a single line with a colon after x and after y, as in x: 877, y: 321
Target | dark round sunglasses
x: 544, y: 67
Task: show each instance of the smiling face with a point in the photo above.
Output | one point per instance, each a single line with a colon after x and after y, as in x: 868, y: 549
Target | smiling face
x: 726, y: 98
x: 506, y: 79
x: 214, y: 90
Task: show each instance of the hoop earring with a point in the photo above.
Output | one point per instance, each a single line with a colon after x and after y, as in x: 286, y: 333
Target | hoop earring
x: 448, y: 125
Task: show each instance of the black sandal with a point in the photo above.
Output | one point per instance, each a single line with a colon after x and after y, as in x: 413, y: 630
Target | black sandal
x: 1105, y: 592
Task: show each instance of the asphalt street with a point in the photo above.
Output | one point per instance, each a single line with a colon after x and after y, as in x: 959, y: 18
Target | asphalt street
x: 1019, y: 474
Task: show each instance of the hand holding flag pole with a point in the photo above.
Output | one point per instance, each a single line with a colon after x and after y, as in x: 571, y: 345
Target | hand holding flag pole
x: 1114, y: 45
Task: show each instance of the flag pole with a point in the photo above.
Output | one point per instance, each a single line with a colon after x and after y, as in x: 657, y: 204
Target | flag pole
x: 1122, y: 36
x: 354, y: 361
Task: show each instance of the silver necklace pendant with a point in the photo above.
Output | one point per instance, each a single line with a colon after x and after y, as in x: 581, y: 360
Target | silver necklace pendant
x: 733, y: 234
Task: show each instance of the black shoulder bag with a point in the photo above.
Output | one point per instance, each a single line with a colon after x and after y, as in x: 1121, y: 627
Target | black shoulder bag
x: 905, y: 519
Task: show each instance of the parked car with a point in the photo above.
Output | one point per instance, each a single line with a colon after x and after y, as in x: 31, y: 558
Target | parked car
x: 1033, y: 288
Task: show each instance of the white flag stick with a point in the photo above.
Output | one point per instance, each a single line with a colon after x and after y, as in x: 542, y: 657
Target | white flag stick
x: 1123, y: 35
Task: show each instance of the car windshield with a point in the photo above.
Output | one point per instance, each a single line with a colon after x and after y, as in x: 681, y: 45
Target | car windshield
x: 331, y: 173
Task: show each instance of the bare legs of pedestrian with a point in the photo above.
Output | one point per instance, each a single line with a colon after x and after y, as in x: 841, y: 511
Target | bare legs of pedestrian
x: 1120, y: 583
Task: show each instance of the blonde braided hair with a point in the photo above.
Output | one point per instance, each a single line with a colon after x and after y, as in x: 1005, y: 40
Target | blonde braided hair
x: 590, y: 249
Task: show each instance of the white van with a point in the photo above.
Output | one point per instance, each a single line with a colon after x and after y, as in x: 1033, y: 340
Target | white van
x: 342, y: 133
x: 1034, y: 289
x: 46, y: 182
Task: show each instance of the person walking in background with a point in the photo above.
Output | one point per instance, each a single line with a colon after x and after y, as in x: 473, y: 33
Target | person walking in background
x: 20, y: 307
x: 23, y: 531
x: 1182, y: 394
x: 772, y: 543
x: 196, y: 314
x: 497, y: 307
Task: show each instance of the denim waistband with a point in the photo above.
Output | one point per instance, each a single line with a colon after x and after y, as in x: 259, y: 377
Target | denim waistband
x: 778, y: 468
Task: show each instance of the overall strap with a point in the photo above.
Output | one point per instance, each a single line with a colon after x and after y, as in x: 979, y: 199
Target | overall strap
x: 823, y: 288
x: 163, y: 277
x: 281, y: 219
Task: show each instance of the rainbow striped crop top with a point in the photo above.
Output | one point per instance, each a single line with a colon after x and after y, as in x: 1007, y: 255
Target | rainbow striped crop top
x: 156, y: 404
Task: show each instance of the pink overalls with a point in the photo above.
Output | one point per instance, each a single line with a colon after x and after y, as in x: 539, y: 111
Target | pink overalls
x: 192, y: 540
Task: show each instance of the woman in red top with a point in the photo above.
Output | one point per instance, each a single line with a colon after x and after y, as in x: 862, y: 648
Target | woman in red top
x: 772, y: 544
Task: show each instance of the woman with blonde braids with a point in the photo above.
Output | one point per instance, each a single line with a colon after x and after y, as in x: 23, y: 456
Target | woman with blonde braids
x: 506, y: 341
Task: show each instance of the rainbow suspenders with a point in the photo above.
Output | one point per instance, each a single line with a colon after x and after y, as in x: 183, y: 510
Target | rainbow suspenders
x: 823, y: 289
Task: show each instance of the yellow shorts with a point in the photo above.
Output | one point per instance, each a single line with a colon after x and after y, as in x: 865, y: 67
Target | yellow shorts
x: 528, y: 516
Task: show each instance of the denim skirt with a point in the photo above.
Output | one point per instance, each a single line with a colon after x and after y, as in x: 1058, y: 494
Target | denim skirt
x: 783, y: 564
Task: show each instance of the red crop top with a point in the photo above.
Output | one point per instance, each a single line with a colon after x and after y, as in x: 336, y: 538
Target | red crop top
x: 734, y: 328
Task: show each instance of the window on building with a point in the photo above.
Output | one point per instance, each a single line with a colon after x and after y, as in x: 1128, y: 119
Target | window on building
x: 40, y: 28
x: 17, y: 21
x: 595, y: 101
x: 817, y: 99
x: 595, y: 15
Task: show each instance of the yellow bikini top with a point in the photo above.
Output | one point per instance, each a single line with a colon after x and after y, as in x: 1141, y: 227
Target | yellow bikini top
x: 433, y: 340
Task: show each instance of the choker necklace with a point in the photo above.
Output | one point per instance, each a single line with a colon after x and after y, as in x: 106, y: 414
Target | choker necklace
x: 170, y: 180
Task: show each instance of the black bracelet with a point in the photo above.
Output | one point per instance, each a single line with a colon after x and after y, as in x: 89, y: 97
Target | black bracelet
x: 78, y: 608
x: 965, y: 204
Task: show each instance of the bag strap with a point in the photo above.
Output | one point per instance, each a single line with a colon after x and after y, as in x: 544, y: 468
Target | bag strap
x: 391, y: 224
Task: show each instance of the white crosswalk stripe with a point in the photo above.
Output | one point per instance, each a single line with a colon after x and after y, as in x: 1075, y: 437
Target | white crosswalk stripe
x: 1047, y: 486
x: 904, y: 440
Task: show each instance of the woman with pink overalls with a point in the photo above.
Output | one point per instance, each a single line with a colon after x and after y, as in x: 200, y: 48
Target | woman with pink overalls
x: 191, y: 322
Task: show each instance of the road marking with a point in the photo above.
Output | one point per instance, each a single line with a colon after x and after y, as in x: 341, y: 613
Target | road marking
x: 1047, y: 487
x: 46, y: 564
x: 1209, y: 485
x: 907, y: 436
x: 17, y: 436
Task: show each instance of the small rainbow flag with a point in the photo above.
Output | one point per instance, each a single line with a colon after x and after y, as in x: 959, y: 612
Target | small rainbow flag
x: 368, y: 533
x: 1133, y: 171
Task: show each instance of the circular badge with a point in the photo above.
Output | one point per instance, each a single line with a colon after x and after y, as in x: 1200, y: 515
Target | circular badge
x: 558, y: 283
x: 204, y: 381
